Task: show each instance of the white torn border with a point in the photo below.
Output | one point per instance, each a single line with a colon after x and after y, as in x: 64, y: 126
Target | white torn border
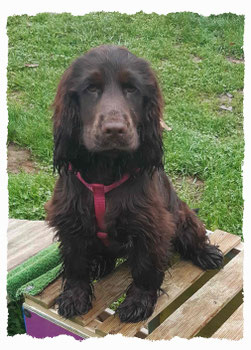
x: 204, y: 8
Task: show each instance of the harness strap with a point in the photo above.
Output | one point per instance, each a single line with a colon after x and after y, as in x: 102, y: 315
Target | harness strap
x: 99, y: 191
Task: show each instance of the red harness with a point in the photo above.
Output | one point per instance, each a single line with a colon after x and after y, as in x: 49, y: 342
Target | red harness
x: 99, y: 191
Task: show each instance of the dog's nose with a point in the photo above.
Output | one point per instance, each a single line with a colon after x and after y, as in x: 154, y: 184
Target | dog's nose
x: 114, y: 129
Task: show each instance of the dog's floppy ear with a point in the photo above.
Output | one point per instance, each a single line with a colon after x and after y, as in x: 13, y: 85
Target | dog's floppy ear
x: 65, y: 123
x: 151, y: 135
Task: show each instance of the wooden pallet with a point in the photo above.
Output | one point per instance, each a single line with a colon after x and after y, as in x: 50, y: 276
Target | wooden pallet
x: 198, y: 303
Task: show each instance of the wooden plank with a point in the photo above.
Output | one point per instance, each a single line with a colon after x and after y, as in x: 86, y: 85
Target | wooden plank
x: 13, y: 223
x: 225, y: 240
x: 17, y: 227
x: 183, y: 275
x: 106, y: 291
x: 194, y: 314
x: 47, y: 297
x: 239, y: 246
x: 233, y: 327
x: 25, y: 239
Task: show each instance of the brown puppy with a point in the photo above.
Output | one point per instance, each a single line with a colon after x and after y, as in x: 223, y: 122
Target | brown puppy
x: 108, y: 110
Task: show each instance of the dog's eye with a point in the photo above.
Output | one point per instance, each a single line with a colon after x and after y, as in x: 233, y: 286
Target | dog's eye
x: 129, y: 89
x: 92, y: 88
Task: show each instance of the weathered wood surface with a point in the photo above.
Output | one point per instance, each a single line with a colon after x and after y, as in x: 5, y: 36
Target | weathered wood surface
x: 106, y: 291
x: 198, y: 310
x: 233, y: 327
x: 183, y: 275
x: 25, y: 239
x: 47, y: 297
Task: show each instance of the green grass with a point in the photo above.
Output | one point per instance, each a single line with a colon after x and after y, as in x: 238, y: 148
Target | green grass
x: 15, y: 318
x: 28, y: 194
x: 204, y: 150
x: 205, y: 142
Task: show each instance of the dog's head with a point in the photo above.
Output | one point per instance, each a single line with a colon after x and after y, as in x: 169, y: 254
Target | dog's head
x: 108, y: 102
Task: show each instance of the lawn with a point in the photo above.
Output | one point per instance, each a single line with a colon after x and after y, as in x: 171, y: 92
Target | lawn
x: 200, y: 65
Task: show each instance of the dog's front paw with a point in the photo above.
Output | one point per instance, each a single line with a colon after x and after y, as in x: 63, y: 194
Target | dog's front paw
x: 210, y: 257
x: 74, y: 301
x: 138, y: 304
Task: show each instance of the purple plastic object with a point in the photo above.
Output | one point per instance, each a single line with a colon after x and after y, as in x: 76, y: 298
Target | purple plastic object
x: 39, y: 327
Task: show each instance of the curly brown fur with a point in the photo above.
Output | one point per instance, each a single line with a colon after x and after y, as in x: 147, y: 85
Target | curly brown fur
x: 107, y: 116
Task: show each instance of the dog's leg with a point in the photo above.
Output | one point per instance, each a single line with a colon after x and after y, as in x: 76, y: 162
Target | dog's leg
x: 190, y: 238
x: 142, y: 294
x: 101, y: 265
x: 76, y: 298
x: 192, y: 242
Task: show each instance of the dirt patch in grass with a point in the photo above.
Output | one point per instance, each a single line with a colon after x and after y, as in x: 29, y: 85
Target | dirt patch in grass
x: 226, y: 98
x: 225, y: 102
x: 189, y: 188
x: 196, y: 59
x: 234, y: 60
x: 19, y: 159
x: 15, y: 96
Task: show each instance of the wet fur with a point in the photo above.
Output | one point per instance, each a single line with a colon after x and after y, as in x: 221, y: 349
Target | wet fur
x: 145, y: 219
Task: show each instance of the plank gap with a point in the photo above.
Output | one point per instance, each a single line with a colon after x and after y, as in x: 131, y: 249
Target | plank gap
x: 161, y: 317
x: 105, y: 314
x: 213, y: 325
x: 232, y: 329
x: 141, y: 335
x: 201, y: 307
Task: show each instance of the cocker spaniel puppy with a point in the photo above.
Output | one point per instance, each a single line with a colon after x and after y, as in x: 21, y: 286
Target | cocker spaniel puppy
x: 113, y: 198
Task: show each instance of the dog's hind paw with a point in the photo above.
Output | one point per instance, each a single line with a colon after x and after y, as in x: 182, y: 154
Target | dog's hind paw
x: 138, y: 305
x: 210, y: 257
x: 74, y: 301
